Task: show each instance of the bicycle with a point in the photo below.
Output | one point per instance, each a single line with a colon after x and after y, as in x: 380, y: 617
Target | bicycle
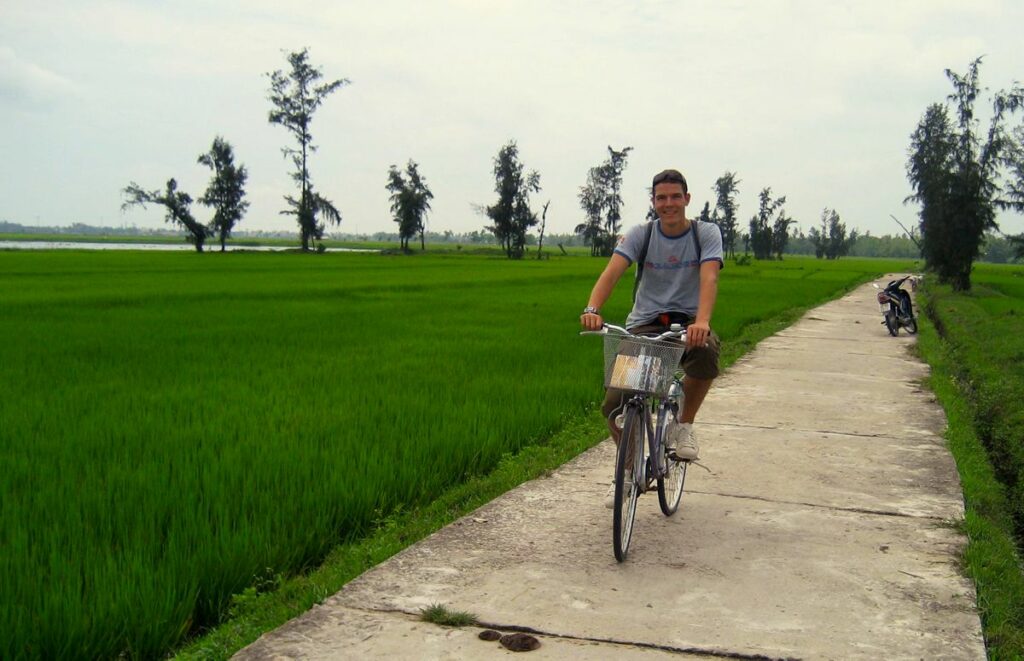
x: 646, y: 368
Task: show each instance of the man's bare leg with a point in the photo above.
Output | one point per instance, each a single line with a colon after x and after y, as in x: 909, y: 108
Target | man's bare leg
x: 694, y: 392
x: 682, y: 445
x: 616, y: 433
x: 611, y: 408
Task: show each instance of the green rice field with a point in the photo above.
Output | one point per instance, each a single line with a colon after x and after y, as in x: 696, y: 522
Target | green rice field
x: 176, y: 427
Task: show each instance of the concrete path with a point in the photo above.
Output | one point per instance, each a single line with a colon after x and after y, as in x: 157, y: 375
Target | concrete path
x: 825, y: 529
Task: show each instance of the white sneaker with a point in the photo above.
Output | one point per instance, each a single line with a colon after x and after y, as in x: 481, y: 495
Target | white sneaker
x: 609, y: 498
x: 682, y: 443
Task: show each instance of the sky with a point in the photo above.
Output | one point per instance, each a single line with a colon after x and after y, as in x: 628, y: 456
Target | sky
x: 816, y: 100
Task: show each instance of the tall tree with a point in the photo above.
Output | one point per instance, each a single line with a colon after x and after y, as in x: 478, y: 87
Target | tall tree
x: 590, y: 197
x: 1017, y: 241
x: 226, y: 190
x: 611, y: 178
x: 410, y: 202
x: 296, y: 96
x: 601, y: 200
x: 177, y: 204
x: 406, y: 225
x: 831, y: 241
x: 727, y: 210
x: 705, y: 214
x: 1014, y: 161
x: 543, y: 224
x: 780, y: 233
x: 511, y: 214
x: 931, y: 170
x: 955, y: 174
x: 761, y: 225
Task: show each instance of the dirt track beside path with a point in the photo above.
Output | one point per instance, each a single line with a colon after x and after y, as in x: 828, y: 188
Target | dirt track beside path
x: 823, y: 529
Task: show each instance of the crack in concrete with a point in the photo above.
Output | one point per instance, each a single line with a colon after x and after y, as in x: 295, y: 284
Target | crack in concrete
x: 816, y: 431
x: 518, y: 628
x: 835, y: 338
x: 855, y: 510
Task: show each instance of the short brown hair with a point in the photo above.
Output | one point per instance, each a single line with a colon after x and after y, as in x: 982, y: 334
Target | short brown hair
x: 671, y: 177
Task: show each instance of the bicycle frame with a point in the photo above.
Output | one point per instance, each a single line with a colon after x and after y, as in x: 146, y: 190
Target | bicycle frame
x: 652, y: 405
x: 654, y: 412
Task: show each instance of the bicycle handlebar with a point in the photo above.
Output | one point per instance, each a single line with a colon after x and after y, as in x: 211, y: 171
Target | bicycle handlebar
x: 612, y: 329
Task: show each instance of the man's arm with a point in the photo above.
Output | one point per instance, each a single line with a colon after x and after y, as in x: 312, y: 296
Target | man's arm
x: 697, y: 333
x: 603, y: 288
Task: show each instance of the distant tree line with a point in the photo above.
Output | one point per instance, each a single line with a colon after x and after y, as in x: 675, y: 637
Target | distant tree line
x: 769, y: 233
x: 996, y: 249
x: 960, y: 175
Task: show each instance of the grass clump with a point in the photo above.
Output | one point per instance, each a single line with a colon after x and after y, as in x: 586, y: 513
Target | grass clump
x: 444, y: 616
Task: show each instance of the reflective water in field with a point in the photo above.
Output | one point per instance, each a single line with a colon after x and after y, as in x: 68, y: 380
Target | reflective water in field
x: 89, y: 245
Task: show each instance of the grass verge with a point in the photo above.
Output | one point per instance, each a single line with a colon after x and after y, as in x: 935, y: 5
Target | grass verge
x: 991, y: 558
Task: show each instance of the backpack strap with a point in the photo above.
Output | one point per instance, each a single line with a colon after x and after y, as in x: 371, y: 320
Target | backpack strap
x: 695, y: 224
x: 643, y: 257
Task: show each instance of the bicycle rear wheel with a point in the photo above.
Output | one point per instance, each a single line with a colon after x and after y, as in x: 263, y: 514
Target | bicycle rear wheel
x: 891, y: 324
x: 670, y: 487
x: 629, y: 466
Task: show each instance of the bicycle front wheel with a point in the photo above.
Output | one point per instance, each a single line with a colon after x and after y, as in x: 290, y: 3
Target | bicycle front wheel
x: 670, y: 487
x: 629, y: 467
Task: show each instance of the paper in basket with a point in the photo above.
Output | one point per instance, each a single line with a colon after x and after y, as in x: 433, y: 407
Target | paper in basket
x: 635, y: 372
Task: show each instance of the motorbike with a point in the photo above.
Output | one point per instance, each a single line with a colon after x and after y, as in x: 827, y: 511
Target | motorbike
x: 896, y: 307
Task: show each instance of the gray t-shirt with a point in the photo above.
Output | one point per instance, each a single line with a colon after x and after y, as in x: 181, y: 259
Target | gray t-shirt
x: 671, y: 280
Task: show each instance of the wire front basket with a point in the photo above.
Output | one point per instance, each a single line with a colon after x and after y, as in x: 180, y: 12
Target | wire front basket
x: 638, y: 365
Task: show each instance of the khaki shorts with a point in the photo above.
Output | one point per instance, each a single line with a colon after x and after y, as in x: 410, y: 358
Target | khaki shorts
x: 698, y: 363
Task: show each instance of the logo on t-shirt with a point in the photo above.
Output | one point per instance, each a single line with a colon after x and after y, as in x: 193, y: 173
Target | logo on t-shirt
x: 673, y: 263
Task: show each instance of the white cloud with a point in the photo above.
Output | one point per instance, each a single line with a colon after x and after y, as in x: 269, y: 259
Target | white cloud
x: 28, y: 86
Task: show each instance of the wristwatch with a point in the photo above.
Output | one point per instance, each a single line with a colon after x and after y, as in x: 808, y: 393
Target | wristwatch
x: 590, y: 309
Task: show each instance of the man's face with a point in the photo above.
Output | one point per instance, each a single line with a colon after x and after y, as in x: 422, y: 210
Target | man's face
x: 670, y: 201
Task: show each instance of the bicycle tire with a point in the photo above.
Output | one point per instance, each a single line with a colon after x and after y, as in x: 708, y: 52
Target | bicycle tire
x: 627, y: 490
x: 670, y: 487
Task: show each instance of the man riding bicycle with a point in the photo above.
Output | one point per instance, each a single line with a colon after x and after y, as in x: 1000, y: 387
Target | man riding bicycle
x: 678, y: 261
